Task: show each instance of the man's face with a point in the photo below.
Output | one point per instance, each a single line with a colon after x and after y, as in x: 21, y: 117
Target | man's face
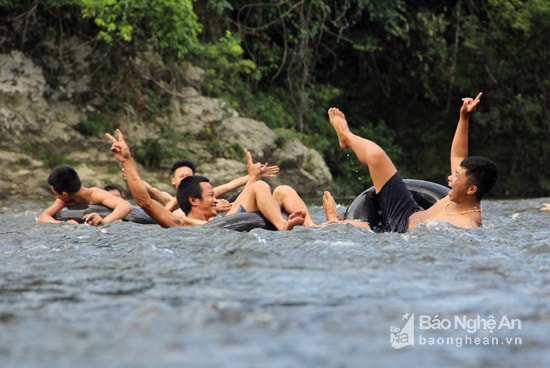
x: 180, y: 174
x: 207, y: 206
x: 458, y: 182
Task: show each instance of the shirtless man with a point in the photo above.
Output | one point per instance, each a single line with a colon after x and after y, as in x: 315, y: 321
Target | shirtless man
x: 68, y: 190
x: 286, y: 196
x: 184, y: 168
x: 196, y: 195
x: 471, y: 178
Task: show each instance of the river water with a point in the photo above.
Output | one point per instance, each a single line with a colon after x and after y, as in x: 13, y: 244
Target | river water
x: 130, y: 295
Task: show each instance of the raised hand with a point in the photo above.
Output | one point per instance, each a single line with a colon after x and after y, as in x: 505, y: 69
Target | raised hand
x: 469, y: 105
x: 267, y: 171
x: 255, y: 169
x: 119, y: 148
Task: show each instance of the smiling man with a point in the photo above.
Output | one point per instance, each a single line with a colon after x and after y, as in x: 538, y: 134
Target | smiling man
x: 197, y: 197
x: 471, y: 179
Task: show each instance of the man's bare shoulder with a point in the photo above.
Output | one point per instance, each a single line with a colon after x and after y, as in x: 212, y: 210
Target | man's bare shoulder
x: 437, y: 212
x: 96, y: 195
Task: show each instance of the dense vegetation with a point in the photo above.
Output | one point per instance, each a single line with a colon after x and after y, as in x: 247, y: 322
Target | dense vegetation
x: 397, y: 68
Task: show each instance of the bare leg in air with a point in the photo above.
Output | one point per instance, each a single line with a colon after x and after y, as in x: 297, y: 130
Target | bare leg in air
x: 380, y: 166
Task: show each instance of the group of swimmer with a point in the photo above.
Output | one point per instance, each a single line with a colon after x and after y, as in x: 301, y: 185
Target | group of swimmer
x: 196, y: 200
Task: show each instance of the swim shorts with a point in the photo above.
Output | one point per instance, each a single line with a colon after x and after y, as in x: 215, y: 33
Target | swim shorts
x: 397, y: 205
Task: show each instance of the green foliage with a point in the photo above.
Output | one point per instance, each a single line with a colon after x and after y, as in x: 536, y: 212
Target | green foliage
x: 267, y: 107
x: 94, y: 126
x: 152, y: 152
x: 397, y: 68
x: 215, y: 147
x: 113, y: 170
x: 218, y: 6
x: 224, y: 66
x: 8, y: 4
x: 235, y: 151
x: 509, y: 54
x: 43, y: 152
x: 162, y: 150
x: 350, y: 176
x: 170, y: 26
x: 285, y: 135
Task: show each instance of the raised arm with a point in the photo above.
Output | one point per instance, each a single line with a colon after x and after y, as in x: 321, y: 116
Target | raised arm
x: 158, y: 195
x: 230, y: 186
x: 158, y: 213
x: 459, y: 147
x: 266, y: 172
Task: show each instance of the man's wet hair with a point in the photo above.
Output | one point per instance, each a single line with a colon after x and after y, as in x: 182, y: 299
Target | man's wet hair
x: 181, y: 163
x: 64, y: 178
x: 110, y: 187
x: 189, y: 187
x: 481, y: 172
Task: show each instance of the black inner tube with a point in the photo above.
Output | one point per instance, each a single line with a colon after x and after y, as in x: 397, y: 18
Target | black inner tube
x: 366, y: 208
x: 77, y: 211
x: 244, y: 221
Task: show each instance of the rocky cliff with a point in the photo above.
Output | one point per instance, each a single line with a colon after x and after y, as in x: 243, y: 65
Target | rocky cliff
x: 38, y: 128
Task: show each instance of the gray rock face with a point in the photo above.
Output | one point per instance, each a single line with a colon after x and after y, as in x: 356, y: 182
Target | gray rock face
x: 302, y: 168
x: 35, y: 130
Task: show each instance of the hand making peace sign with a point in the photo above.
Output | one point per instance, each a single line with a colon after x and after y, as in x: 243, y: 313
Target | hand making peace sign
x: 119, y: 148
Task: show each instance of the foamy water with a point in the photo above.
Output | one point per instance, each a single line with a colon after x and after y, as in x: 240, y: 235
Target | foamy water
x: 130, y: 295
